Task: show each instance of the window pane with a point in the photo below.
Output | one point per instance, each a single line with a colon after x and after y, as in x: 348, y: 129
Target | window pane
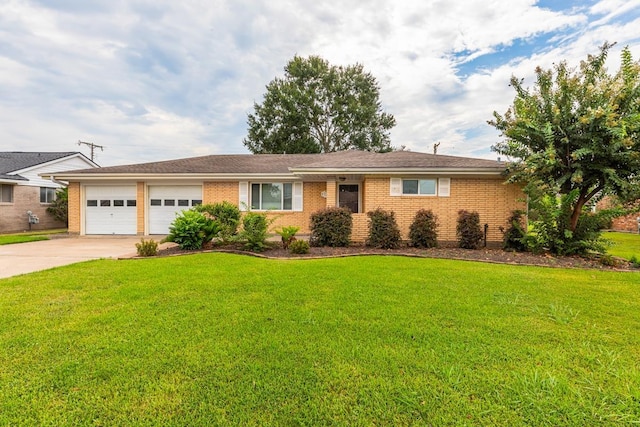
x: 105, y: 203
x: 287, y: 203
x: 409, y: 186
x: 118, y: 203
x: 92, y: 203
x: 183, y: 202
x: 427, y: 186
x: 196, y: 202
x: 43, y: 195
x: 271, y: 196
x: 51, y: 194
x: 255, y: 196
x: 169, y: 202
x: 6, y: 193
x: 156, y: 202
x: 131, y: 202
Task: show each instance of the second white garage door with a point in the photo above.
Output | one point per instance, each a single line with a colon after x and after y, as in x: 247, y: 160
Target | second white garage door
x: 165, y: 201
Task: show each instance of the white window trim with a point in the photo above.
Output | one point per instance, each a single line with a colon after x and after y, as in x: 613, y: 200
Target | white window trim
x: 296, y: 196
x: 443, y: 187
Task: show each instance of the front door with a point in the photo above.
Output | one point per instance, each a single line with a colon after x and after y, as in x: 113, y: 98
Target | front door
x: 349, y: 197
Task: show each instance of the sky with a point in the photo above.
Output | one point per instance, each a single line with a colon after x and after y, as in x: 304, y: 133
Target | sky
x: 153, y: 80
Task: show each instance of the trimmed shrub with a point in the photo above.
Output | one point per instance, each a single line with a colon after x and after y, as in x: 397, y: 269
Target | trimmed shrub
x: 422, y: 232
x: 468, y: 230
x: 383, y: 230
x: 515, y: 234
x: 226, y: 214
x: 254, y: 231
x: 299, y: 247
x: 288, y: 235
x: 147, y: 247
x: 331, y: 227
x: 191, y: 230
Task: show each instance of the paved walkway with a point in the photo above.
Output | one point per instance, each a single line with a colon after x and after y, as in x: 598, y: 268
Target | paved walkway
x: 24, y: 258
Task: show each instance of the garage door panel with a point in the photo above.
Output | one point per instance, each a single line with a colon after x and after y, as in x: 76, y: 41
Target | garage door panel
x: 166, y: 201
x: 110, y: 210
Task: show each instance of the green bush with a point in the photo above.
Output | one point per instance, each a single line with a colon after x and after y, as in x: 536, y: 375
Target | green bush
x: 191, y: 230
x: 383, y: 230
x: 551, y: 227
x: 288, y: 235
x: 515, y: 234
x: 468, y: 230
x: 147, y: 248
x: 299, y: 247
x: 227, y: 215
x: 254, y: 231
x: 422, y: 232
x: 331, y: 227
x: 59, y: 208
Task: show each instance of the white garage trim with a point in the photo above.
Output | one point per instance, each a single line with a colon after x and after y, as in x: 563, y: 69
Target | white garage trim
x: 165, y: 201
x: 110, y: 209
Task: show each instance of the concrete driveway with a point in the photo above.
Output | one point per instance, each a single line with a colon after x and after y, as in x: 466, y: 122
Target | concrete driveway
x: 34, y: 256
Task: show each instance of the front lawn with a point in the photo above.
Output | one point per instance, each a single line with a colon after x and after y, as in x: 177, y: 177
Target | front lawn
x: 220, y: 339
x: 29, y: 236
x: 624, y: 245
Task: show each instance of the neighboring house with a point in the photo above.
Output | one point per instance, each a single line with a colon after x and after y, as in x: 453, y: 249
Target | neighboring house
x: 23, y: 190
x: 143, y: 198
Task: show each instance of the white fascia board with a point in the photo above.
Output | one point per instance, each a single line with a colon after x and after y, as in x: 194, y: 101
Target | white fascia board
x: 395, y: 171
x: 53, y: 162
x: 171, y: 177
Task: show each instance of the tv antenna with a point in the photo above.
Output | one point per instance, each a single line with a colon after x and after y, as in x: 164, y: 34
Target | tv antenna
x: 92, y: 146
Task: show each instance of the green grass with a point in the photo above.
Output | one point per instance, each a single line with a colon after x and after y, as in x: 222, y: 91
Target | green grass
x: 29, y: 236
x: 219, y: 339
x: 624, y: 245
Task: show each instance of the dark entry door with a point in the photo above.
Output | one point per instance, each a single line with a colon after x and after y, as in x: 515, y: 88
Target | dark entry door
x: 348, y: 196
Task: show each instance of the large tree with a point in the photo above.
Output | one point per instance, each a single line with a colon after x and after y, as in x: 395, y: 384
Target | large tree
x: 575, y: 134
x: 319, y: 108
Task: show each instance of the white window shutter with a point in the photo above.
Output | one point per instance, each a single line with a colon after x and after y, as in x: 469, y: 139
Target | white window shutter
x: 396, y: 187
x: 444, y: 187
x: 243, y: 199
x: 297, y: 196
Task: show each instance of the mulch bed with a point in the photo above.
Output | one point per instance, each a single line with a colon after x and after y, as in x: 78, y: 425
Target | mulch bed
x: 492, y: 255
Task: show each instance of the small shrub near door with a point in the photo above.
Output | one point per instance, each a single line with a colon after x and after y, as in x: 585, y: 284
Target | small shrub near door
x: 147, y: 248
x: 299, y: 247
x: 423, y: 229
x: 383, y: 229
x: 254, y: 231
x: 468, y: 230
x: 331, y: 227
x: 288, y: 235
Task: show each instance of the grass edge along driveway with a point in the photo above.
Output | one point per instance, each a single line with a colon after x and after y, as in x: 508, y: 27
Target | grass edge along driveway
x: 219, y: 339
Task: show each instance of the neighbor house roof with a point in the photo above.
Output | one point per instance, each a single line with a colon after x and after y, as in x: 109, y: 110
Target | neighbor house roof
x: 352, y: 161
x: 12, y: 162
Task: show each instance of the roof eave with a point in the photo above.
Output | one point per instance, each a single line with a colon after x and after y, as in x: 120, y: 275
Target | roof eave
x: 398, y: 171
x: 164, y: 176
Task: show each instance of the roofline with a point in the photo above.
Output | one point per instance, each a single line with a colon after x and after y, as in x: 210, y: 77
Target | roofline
x: 398, y: 171
x: 58, y: 160
x: 163, y: 176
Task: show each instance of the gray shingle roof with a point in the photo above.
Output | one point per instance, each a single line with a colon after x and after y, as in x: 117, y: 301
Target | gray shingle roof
x: 284, y: 163
x: 11, y: 161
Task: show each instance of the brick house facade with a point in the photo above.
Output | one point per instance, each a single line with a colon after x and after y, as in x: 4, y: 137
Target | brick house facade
x: 390, y: 181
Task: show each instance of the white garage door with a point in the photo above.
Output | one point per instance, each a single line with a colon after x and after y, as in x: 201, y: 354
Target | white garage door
x: 165, y: 201
x: 110, y: 210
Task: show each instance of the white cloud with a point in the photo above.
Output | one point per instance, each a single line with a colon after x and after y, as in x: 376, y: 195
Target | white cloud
x: 155, y: 80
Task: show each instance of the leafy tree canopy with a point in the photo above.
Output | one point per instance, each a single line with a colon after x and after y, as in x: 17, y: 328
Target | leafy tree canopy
x: 576, y: 133
x: 319, y: 108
